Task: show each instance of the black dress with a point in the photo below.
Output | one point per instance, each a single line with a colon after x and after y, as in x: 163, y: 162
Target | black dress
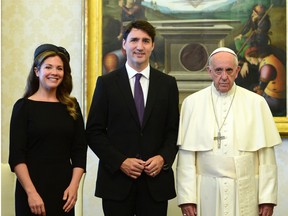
x: 45, y: 137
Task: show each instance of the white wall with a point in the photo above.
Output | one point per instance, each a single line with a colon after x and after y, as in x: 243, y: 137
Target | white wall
x: 282, y: 161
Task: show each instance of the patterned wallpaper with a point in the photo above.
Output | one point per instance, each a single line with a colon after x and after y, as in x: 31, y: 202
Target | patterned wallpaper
x: 25, y: 25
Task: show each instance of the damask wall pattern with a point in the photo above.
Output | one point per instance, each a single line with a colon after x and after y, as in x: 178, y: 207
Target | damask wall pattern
x: 25, y: 25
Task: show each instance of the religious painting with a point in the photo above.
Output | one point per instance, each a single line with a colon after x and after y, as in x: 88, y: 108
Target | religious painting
x: 189, y: 30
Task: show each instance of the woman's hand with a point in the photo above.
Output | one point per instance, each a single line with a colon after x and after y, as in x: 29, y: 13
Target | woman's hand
x: 36, y: 204
x: 70, y: 195
x: 35, y: 201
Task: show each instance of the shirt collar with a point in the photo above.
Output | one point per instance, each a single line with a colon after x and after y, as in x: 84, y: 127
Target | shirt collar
x: 131, y: 72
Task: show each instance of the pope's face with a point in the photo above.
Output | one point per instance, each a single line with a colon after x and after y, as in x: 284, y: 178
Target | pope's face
x: 138, y: 47
x: 223, y: 70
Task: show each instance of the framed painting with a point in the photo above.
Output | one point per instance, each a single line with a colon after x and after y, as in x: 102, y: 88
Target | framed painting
x: 187, y: 31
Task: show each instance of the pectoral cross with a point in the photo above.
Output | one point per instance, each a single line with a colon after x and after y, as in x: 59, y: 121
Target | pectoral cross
x: 219, y: 138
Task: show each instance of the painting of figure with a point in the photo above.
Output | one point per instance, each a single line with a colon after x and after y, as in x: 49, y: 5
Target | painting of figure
x: 188, y: 30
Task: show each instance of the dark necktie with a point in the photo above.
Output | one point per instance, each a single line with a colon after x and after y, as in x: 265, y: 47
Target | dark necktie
x: 138, y: 97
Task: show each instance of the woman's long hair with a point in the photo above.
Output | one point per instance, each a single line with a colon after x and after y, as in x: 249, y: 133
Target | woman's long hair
x: 63, y: 90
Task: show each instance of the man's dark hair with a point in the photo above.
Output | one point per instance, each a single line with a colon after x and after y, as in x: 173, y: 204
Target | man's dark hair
x: 142, y: 25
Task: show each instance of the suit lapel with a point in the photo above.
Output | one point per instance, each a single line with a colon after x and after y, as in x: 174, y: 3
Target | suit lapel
x: 152, y: 94
x: 124, y: 87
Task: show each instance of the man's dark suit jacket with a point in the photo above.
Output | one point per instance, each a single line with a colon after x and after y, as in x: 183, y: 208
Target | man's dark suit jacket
x: 114, y: 132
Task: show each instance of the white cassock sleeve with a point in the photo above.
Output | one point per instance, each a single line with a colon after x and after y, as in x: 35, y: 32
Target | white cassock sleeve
x: 186, y: 177
x: 267, y: 176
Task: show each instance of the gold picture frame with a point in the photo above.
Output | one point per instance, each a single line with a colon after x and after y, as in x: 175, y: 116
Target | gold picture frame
x: 93, y: 46
x: 282, y: 125
x: 93, y: 53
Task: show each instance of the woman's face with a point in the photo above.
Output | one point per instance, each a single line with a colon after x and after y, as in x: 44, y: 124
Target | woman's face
x: 51, y: 73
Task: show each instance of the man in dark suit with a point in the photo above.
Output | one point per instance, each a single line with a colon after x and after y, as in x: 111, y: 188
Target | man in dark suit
x: 135, y: 175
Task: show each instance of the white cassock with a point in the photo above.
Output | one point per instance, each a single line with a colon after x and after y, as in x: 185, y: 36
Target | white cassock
x: 233, y: 178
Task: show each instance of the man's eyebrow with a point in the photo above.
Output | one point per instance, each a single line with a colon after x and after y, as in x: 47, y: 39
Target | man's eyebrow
x: 218, y: 68
x: 134, y: 38
x: 229, y: 68
x: 147, y: 39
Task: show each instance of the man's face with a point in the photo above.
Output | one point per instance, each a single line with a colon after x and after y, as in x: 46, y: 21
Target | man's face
x: 138, y: 47
x: 223, y: 70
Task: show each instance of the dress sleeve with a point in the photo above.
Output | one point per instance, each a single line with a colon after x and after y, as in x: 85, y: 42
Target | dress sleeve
x: 18, y: 134
x: 79, y: 149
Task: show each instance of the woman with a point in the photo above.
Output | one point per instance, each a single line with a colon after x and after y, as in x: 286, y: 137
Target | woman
x: 47, y: 143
